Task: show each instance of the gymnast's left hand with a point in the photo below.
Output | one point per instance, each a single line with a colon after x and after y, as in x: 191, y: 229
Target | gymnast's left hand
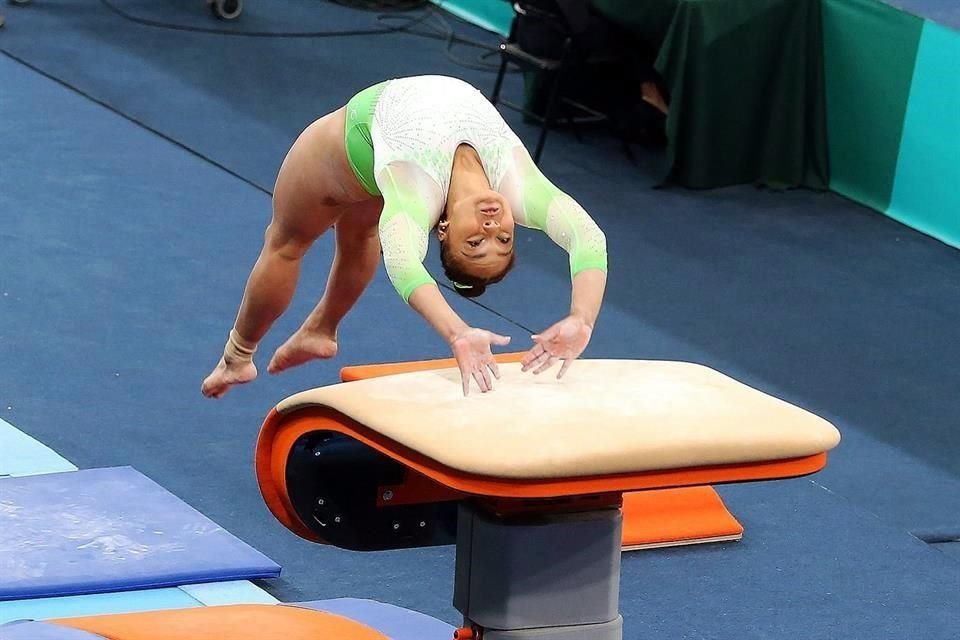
x: 565, y: 341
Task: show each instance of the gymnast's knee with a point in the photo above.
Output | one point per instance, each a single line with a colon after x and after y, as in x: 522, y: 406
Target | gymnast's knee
x: 281, y: 244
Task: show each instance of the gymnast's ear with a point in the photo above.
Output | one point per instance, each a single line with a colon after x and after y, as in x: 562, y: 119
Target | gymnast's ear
x: 442, y: 229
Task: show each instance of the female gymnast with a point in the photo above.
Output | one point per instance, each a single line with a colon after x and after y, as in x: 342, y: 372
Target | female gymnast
x: 404, y: 158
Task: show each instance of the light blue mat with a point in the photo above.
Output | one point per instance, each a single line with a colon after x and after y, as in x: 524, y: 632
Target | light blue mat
x: 95, y: 604
x: 194, y: 595
x: 223, y: 593
x: 21, y: 455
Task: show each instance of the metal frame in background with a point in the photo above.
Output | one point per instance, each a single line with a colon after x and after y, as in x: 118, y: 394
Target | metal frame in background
x: 223, y: 9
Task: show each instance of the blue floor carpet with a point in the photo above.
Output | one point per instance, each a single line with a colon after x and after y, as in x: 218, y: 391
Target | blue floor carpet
x: 812, y: 565
x: 126, y: 256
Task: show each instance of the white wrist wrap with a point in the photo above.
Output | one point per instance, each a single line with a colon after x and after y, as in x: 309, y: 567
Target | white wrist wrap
x: 238, y: 348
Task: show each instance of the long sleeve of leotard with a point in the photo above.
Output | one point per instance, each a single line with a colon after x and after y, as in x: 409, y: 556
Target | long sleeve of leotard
x: 538, y: 204
x: 410, y: 203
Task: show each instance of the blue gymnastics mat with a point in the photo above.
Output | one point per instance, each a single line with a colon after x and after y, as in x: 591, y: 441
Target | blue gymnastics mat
x: 105, y: 530
x: 27, y: 630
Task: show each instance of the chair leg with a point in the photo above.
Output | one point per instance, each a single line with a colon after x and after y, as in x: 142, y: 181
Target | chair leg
x: 552, y: 100
x: 498, y: 85
x: 575, y: 127
x: 628, y: 150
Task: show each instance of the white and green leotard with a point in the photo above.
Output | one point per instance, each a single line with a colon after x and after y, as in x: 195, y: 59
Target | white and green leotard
x: 401, y: 136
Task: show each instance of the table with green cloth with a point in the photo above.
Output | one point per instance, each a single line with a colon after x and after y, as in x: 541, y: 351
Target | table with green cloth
x: 746, y: 86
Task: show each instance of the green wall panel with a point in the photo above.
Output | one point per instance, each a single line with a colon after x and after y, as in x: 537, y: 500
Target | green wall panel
x: 869, y: 54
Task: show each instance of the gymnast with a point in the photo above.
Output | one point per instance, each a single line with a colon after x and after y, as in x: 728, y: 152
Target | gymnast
x: 403, y: 158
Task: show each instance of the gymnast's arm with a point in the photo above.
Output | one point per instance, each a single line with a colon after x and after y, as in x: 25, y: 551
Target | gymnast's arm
x: 537, y: 203
x: 409, y: 197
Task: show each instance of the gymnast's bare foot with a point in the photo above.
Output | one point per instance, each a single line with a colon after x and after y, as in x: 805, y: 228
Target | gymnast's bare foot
x: 303, y: 346
x: 226, y: 375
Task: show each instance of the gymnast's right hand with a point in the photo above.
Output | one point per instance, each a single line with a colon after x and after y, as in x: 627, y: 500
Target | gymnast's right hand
x: 471, y: 348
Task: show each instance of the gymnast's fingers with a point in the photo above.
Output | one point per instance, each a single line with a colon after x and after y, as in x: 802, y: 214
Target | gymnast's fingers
x: 563, y: 368
x: 500, y: 341
x: 539, y: 361
x: 492, y: 364
x: 481, y: 381
x: 546, y: 365
x: 487, y: 380
x: 465, y: 380
x: 536, y: 354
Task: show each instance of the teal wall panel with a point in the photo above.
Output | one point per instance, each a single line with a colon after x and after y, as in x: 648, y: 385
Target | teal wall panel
x: 926, y: 192
x: 492, y: 15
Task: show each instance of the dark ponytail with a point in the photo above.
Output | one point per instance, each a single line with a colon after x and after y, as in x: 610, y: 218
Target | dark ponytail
x: 468, y: 290
x: 467, y: 285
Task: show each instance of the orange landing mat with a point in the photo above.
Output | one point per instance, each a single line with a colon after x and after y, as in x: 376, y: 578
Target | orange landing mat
x: 234, y: 622
x: 674, y: 517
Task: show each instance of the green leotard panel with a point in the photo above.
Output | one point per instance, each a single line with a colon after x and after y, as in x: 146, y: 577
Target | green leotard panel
x: 547, y: 208
x: 357, y: 140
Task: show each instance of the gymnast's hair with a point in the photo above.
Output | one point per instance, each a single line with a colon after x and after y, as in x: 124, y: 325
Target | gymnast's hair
x: 464, y: 283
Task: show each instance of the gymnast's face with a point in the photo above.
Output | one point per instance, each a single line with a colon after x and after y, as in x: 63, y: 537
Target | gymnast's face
x: 478, y: 230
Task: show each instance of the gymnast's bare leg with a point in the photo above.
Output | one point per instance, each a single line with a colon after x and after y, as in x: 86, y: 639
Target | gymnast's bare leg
x: 315, y: 189
x: 355, y: 263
